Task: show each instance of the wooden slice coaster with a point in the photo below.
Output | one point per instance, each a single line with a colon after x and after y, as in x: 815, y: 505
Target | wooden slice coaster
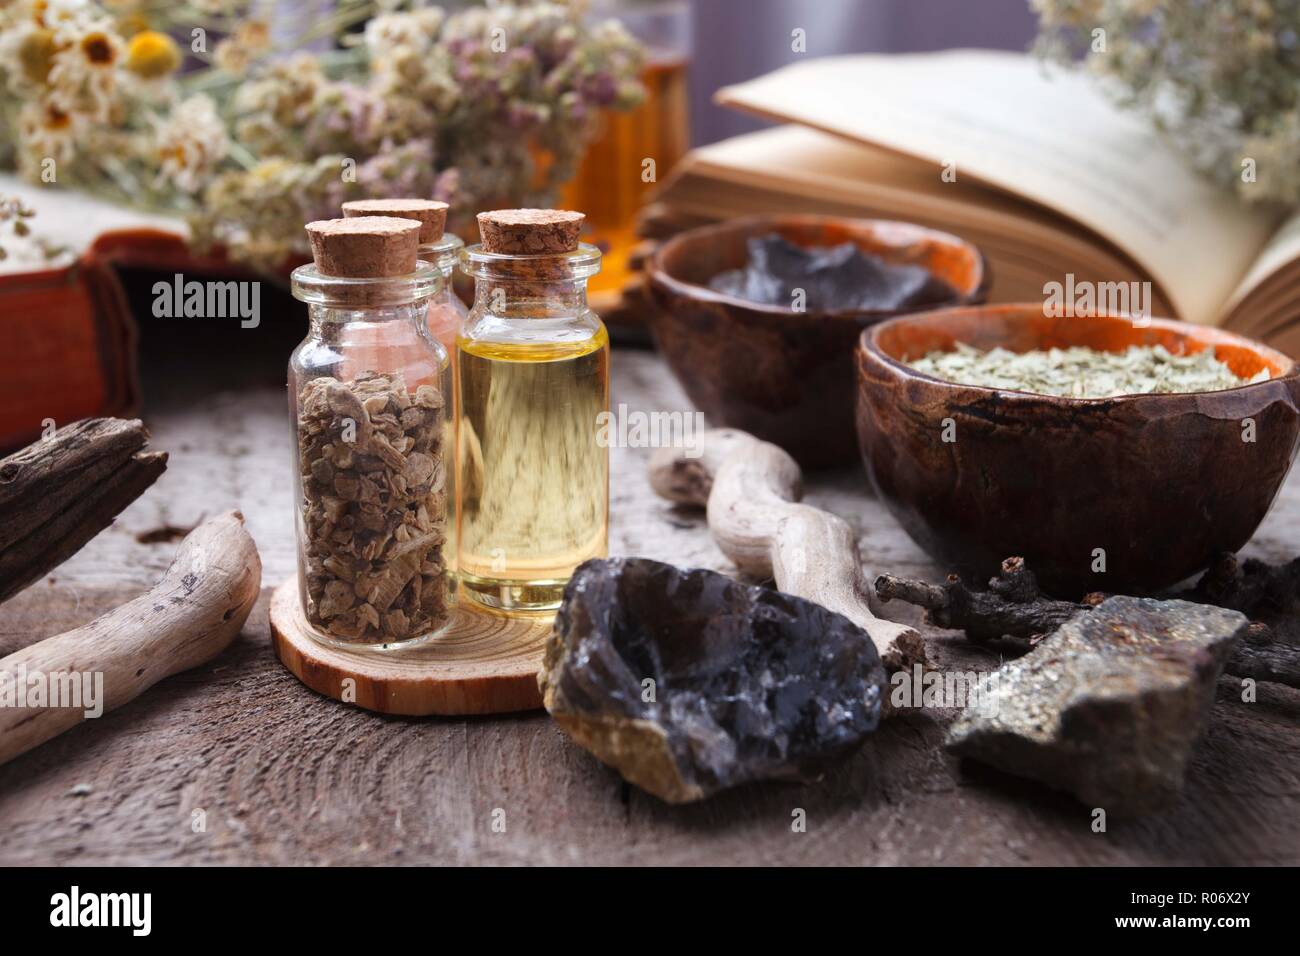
x: 485, y: 663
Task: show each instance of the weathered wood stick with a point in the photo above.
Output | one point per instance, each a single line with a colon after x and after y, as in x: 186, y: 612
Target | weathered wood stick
x: 186, y: 619
x: 688, y: 479
x: 1014, y: 609
x: 751, y: 489
x: 59, y: 492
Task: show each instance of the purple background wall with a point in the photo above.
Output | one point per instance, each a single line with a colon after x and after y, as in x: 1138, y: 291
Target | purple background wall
x: 739, y: 39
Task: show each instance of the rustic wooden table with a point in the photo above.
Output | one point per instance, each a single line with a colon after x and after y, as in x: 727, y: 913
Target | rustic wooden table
x: 277, y: 774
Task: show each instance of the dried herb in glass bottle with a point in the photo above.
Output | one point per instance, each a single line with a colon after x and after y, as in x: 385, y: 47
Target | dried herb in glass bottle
x: 370, y: 397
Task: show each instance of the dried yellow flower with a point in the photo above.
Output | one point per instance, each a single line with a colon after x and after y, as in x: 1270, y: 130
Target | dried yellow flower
x: 36, y: 54
x: 152, y: 54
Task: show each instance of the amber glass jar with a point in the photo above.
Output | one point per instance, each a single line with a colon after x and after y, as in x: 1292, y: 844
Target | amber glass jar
x: 370, y: 398
x: 611, y: 184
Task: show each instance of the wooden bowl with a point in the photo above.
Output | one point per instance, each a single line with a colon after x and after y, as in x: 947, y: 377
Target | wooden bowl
x: 1159, y: 483
x: 782, y: 375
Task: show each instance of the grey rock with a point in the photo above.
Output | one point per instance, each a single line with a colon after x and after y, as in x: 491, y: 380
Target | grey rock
x: 832, y: 278
x: 746, y: 683
x: 1109, y: 706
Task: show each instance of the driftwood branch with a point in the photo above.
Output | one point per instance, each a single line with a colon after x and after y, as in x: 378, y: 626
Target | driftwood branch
x: 59, y: 492
x: 186, y: 619
x: 1013, y: 609
x: 751, y: 489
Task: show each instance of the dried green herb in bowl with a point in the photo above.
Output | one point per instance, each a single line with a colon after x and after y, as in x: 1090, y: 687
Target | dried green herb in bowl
x: 1080, y: 372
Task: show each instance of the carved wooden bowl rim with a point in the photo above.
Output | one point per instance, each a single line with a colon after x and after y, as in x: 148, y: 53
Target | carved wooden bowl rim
x: 1282, y: 367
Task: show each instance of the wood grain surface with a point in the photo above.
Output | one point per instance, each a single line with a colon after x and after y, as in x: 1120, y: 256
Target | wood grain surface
x: 238, y: 762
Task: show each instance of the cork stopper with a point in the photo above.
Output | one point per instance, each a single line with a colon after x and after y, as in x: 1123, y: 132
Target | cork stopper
x: 429, y: 213
x: 365, y: 247
x: 530, y: 232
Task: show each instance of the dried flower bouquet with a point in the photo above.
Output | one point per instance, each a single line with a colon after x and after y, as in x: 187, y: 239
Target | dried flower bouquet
x: 1220, y: 77
x: 200, y: 107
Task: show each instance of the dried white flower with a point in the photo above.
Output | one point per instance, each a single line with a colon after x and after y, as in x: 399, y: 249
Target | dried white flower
x: 21, y: 250
x: 83, y: 77
x: 190, y: 142
x: 398, y: 34
x: 45, y: 132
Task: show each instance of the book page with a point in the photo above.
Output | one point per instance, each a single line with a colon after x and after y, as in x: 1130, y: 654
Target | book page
x: 794, y: 169
x: 75, y: 219
x: 800, y: 159
x: 1282, y: 250
x: 1050, y: 137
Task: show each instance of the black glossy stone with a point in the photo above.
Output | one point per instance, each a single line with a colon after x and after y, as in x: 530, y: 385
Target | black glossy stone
x: 688, y: 682
x: 833, y: 278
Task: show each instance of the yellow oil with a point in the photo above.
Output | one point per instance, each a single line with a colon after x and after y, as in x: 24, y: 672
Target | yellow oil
x: 533, y: 481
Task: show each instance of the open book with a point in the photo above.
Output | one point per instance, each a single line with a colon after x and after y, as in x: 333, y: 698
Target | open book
x: 1032, y: 164
x: 67, y: 336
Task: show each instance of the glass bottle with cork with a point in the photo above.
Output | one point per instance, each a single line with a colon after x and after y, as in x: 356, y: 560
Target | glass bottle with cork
x: 370, y: 400
x: 533, y: 380
x: 438, y: 247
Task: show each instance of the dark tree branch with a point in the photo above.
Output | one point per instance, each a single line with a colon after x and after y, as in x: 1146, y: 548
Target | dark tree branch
x: 1255, y: 588
x: 1012, y: 607
x: 59, y: 492
x: 1015, y: 610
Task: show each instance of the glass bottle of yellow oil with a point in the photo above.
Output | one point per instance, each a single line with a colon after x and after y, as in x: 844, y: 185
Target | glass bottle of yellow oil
x: 533, y: 359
